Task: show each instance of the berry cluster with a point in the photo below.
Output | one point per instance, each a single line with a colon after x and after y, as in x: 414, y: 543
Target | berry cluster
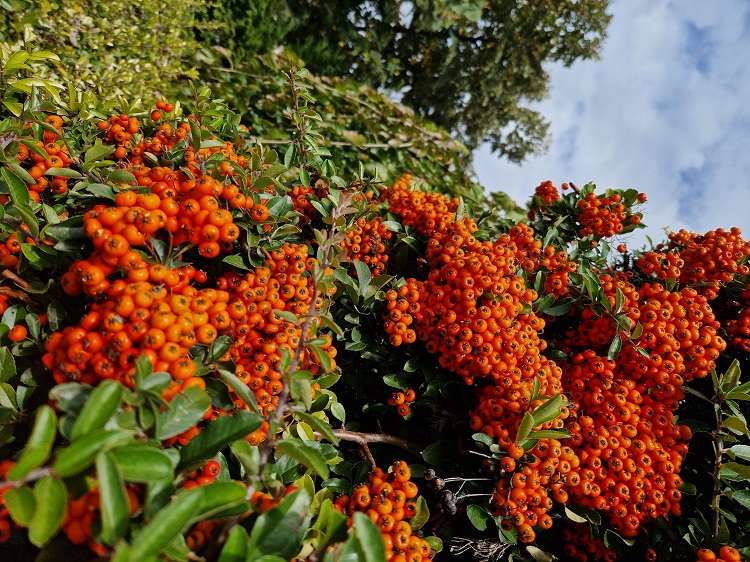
x: 603, y: 215
x: 282, y: 284
x: 662, y: 265
x: 389, y: 501
x: 160, y: 318
x: 725, y: 554
x: 738, y: 328
x: 402, y: 305
x: 83, y: 512
x: 712, y: 259
x: 204, y: 476
x: 532, y: 258
x: 402, y: 401
x: 427, y: 213
x: 367, y: 242
x: 580, y: 546
x: 546, y: 193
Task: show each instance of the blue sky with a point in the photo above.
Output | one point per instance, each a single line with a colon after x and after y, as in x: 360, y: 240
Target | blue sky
x: 666, y: 109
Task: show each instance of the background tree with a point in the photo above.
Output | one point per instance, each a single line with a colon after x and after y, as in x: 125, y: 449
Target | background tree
x: 470, y: 66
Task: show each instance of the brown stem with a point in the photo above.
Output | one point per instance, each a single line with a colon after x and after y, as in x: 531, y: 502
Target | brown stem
x: 366, y: 438
x: 718, y: 443
x: 16, y: 279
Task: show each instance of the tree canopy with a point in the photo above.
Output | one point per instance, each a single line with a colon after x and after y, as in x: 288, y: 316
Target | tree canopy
x: 470, y: 66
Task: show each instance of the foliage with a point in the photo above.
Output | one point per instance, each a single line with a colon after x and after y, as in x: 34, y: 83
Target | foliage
x: 113, y: 48
x: 208, y: 347
x: 432, y: 52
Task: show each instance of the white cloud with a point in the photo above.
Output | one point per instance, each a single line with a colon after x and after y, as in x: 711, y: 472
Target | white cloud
x: 665, y: 110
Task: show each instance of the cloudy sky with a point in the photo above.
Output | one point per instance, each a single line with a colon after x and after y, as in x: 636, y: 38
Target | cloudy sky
x: 666, y: 109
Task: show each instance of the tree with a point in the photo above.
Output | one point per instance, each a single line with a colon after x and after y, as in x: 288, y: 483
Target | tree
x: 470, y: 66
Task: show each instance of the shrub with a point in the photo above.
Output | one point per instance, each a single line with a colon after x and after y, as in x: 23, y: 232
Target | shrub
x: 212, y: 349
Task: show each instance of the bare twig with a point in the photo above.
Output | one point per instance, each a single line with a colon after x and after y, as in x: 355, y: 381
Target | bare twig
x: 35, y: 474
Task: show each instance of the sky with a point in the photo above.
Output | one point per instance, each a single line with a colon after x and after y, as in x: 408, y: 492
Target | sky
x: 665, y: 109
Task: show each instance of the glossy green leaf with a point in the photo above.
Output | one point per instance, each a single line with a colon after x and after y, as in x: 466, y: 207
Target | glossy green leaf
x: 100, y: 406
x: 113, y: 502
x: 51, y: 499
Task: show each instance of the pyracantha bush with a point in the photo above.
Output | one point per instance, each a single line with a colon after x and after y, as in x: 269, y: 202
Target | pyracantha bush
x: 213, y: 351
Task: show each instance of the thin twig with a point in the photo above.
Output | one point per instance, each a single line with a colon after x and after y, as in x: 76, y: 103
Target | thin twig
x: 35, y: 474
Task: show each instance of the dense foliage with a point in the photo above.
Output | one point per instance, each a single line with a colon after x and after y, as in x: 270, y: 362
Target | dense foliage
x: 432, y: 51
x: 211, y: 349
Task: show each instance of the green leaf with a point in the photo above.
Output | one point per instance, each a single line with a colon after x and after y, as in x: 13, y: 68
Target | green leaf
x: 548, y: 411
x: 422, y: 514
x: 39, y: 446
x: 734, y: 471
x: 740, y: 451
x: 184, y: 411
x: 235, y: 548
x: 527, y: 424
x: 323, y: 358
x: 219, y: 434
x: 21, y: 504
x: 279, y: 531
x: 240, y: 389
x: 573, y: 516
x: 103, y: 402
x: 614, y: 348
x: 218, y: 348
x: 218, y: 497
x: 318, y: 425
x: 369, y: 538
x: 363, y: 276
x: 113, y: 498
x: 63, y: 172
x: 479, y: 516
x: 19, y: 194
x: 166, y: 525
x: 305, y: 455
x: 7, y: 365
x: 142, y: 463
x: 51, y: 499
x: 80, y: 454
x: 97, y: 152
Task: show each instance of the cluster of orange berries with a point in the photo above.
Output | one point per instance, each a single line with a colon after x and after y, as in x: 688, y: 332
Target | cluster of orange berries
x: 680, y: 338
x: 9, y: 251
x: 604, y: 215
x: 283, y: 284
x: 5, y: 520
x: 711, y: 259
x: 580, y: 546
x: 738, y: 328
x: 57, y: 156
x: 470, y: 312
x: 82, y: 512
x: 532, y: 258
x: 596, y: 331
x: 526, y: 492
x: 402, y: 401
x: 402, y: 305
x: 629, y: 448
x: 188, y: 209
x: 200, y: 534
x: 160, y: 317
x: 388, y: 499
x: 662, y: 265
x: 546, y: 193
x: 427, y: 213
x: 206, y: 475
x: 725, y: 554
x: 367, y: 241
